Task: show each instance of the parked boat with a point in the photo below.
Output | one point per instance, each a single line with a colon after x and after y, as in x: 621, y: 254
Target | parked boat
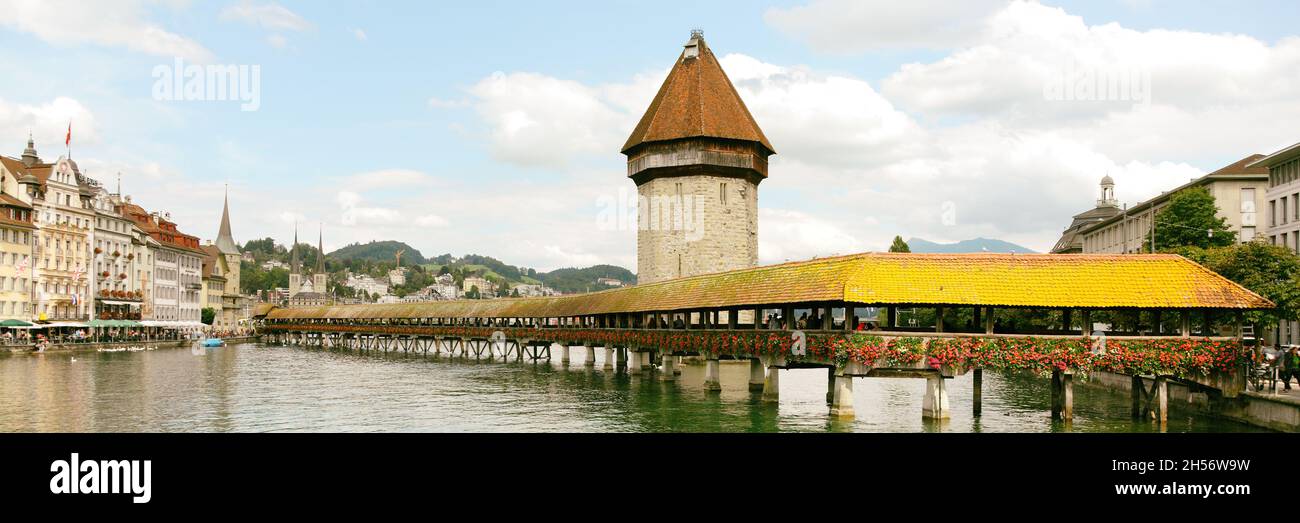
x: 213, y: 342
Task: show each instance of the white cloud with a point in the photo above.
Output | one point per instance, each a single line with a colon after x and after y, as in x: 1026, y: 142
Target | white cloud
x: 277, y: 41
x: 432, y: 220
x: 360, y: 35
x: 269, y: 16
x: 540, y: 120
x: 48, y: 124
x: 117, y: 23
x: 355, y: 214
x: 850, y: 26
x: 793, y: 235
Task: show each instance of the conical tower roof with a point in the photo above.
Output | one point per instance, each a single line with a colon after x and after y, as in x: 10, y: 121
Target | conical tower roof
x: 697, y: 100
x: 225, y: 242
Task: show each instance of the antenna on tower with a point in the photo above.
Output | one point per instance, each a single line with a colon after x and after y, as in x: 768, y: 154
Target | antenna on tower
x: 697, y: 33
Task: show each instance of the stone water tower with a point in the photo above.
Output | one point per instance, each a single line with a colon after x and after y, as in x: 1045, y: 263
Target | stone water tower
x: 697, y: 157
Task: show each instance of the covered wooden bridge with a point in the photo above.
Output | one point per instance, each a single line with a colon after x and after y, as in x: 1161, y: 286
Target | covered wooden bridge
x: 1165, y: 317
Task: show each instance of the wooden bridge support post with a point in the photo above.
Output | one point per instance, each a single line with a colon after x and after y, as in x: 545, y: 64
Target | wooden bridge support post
x: 591, y: 356
x: 935, y: 404
x: 712, y: 374
x: 620, y: 357
x: 772, y: 385
x: 1185, y: 323
x: 842, y: 402
x: 977, y: 395
x: 609, y: 357
x: 668, y: 366
x: 1162, y: 401
x: 1062, y: 395
x: 756, y: 378
x: 1136, y: 389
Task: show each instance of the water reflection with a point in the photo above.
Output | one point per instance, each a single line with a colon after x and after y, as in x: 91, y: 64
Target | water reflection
x: 260, y: 388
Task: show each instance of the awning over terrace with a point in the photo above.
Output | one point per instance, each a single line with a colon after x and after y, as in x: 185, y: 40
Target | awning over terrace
x: 1079, y: 281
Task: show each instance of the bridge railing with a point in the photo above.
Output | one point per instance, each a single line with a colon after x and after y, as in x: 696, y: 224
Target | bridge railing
x: 1195, y: 359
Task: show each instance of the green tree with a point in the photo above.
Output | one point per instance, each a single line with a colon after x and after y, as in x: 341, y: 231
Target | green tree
x: 473, y: 293
x: 899, y: 245
x: 209, y: 315
x: 1272, y: 271
x: 1191, y: 219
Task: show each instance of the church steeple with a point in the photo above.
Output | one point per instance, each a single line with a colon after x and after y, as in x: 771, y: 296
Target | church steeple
x: 320, y: 248
x: 225, y: 243
x: 29, y: 154
x: 294, y: 266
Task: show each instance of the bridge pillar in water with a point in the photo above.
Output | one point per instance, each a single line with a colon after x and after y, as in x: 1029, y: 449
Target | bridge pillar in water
x: 564, y: 355
x: 935, y: 404
x: 712, y: 374
x: 772, y: 383
x: 842, y: 400
x: 756, y: 378
x: 1062, y: 395
x: 977, y: 395
x: 634, y: 366
x: 620, y: 357
x: 591, y: 356
x: 668, y: 370
x: 609, y: 357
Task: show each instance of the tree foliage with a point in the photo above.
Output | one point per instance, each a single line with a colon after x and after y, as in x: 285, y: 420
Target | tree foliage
x: 1191, y: 219
x: 1272, y: 271
x: 899, y: 245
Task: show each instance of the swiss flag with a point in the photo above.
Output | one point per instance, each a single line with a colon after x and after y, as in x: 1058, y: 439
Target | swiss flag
x: 68, y: 141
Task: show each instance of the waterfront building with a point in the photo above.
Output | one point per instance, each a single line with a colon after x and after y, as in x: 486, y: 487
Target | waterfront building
x: 1071, y: 241
x: 1238, y: 190
x: 118, y: 293
x: 1283, y: 197
x: 177, y: 267
x: 214, y: 283
x: 16, y: 232
x: 696, y: 157
x: 231, y: 302
x: 64, y: 216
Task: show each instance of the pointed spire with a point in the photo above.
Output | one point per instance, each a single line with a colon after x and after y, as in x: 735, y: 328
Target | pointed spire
x: 225, y: 242
x: 320, y: 249
x: 293, y: 263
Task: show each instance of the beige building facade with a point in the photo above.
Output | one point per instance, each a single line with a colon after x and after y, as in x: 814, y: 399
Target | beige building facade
x: 1283, y: 216
x: 1238, y: 189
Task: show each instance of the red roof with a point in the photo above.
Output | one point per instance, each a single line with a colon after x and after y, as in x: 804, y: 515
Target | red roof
x: 697, y: 100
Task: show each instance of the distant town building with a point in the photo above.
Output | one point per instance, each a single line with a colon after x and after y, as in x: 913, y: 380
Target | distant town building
x: 530, y: 290
x: 1239, y: 190
x: 274, y: 264
x: 485, y: 287
x: 609, y: 282
x: 1283, y: 197
x: 397, y: 276
x: 367, y: 284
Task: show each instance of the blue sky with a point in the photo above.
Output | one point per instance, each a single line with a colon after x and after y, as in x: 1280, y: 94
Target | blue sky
x: 494, y: 127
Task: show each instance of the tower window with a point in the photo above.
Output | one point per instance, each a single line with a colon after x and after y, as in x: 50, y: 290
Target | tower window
x: 722, y: 193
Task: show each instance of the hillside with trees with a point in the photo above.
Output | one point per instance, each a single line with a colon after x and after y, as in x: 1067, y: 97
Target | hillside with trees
x: 377, y: 258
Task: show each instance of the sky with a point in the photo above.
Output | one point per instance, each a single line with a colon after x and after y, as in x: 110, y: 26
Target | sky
x: 495, y: 127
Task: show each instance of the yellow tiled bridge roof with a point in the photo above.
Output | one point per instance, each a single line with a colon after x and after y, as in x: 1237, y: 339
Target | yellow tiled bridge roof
x: 1088, y: 281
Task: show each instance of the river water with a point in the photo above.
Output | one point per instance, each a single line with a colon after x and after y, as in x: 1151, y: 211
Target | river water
x: 257, y: 388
